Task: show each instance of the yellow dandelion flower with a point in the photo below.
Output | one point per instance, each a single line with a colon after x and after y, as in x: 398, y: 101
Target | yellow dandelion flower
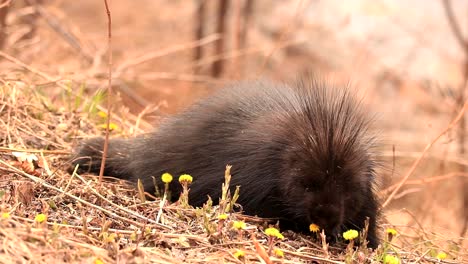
x: 389, y: 259
x: 350, y: 234
x: 314, y: 228
x: 111, y: 238
x: 112, y: 126
x: 273, y: 232
x: 166, y: 177
x: 5, y: 215
x: 279, y: 253
x: 102, y: 114
x: 239, y: 225
x: 40, y: 218
x: 148, y: 231
x: 98, y: 261
x: 239, y: 254
x: 441, y: 255
x: 222, y: 217
x: 185, y: 178
x: 391, y: 231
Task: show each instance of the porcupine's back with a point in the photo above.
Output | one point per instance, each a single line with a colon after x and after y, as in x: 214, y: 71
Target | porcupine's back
x: 222, y: 129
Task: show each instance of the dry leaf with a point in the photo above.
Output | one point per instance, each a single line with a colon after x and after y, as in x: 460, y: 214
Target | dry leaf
x: 23, y: 192
x: 27, y: 162
x: 24, y: 156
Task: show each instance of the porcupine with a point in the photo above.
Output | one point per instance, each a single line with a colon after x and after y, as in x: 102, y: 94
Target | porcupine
x: 301, y: 153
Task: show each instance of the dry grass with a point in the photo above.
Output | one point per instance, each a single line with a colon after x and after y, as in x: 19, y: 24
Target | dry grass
x: 87, y: 222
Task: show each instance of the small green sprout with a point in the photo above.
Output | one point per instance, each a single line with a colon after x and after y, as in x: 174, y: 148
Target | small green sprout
x: 141, y: 190
x: 133, y: 236
x: 108, y: 238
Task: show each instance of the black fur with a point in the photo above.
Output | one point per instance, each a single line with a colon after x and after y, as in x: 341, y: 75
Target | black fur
x: 301, y: 153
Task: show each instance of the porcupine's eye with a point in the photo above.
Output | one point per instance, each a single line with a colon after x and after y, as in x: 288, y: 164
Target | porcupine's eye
x: 310, y: 186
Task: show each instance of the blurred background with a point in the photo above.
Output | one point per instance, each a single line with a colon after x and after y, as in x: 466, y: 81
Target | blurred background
x: 409, y: 59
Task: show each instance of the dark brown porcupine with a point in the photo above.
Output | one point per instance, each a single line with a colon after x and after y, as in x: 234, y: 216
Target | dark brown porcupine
x: 301, y: 153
